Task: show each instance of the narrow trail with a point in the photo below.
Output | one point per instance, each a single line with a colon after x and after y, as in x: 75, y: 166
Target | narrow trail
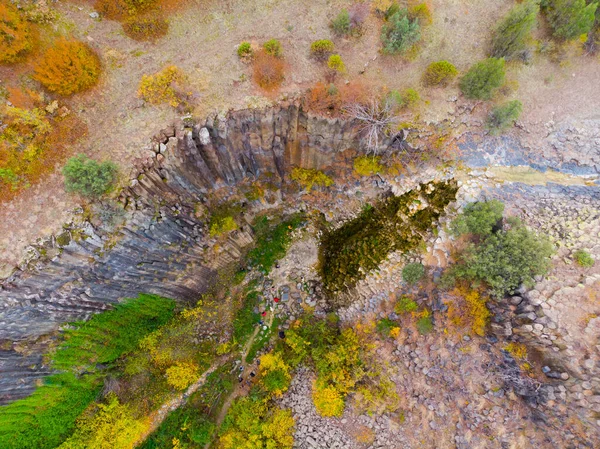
x: 157, y: 417
x: 238, y: 388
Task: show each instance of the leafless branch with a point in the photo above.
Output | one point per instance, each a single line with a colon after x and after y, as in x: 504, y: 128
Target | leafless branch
x: 373, y: 121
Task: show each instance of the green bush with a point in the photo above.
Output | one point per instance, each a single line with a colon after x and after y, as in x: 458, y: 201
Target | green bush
x: 478, y: 218
x: 483, y: 78
x: 511, y: 36
x: 336, y: 64
x: 405, y: 99
x: 583, y: 258
x: 405, y: 305
x: 413, y: 273
x: 384, y: 326
x: 424, y: 325
x: 439, y: 73
x: 410, y: 97
x: 505, y: 260
x: 244, y: 50
x: 400, y: 33
x: 503, y: 116
x: 322, y: 48
x: 87, y: 177
x: 341, y: 24
x: 273, y: 47
x: 570, y: 19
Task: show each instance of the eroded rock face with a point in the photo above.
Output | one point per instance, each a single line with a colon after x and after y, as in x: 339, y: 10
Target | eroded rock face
x: 161, y: 248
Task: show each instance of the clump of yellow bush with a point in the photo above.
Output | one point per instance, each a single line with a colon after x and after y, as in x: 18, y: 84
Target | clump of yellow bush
x: 470, y: 309
x: 182, y: 375
x: 68, y: 67
x: 165, y: 86
x: 517, y: 350
x: 112, y: 425
x: 328, y: 401
x: 15, y: 35
x: 309, y: 177
x: 274, y: 372
x: 368, y: 165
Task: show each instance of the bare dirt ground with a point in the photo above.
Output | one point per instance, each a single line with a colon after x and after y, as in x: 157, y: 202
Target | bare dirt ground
x: 202, y: 41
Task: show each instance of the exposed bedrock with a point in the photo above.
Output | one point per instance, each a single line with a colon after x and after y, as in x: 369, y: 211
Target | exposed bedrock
x: 162, y: 246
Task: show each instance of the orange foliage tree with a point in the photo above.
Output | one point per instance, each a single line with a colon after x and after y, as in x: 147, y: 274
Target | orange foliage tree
x: 268, y: 70
x: 15, y: 36
x: 70, y: 66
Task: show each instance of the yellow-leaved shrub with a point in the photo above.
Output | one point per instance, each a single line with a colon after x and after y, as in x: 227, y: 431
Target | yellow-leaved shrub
x: 182, y: 375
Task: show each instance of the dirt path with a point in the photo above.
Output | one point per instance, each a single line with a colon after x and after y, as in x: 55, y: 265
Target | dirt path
x: 157, y: 417
x: 239, y: 387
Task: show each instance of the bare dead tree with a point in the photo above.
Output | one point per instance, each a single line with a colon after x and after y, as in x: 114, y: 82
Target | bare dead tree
x: 373, y: 120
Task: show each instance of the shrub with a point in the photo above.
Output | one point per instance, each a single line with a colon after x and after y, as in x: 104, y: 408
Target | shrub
x: 503, y: 116
x: 506, y: 259
x: 424, y: 325
x: 309, y: 177
x: 400, y: 33
x: 244, y: 50
x: 385, y: 326
x: 483, y: 78
x: 479, y: 218
x: 421, y: 12
x: 583, y: 258
x: 273, y: 47
x: 68, y: 67
x: 439, y: 73
x: 410, y: 97
x: 405, y: 305
x: 182, y: 375
x: 329, y: 99
x: 15, y: 36
x: 112, y: 425
x: 165, y: 86
x: 477, y: 311
x: 221, y: 225
x: 570, y: 19
x: 87, y: 177
x: 328, y: 401
x: 268, y: 70
x: 413, y: 273
x: 511, y: 36
x: 382, y: 6
x: 336, y: 64
x: 275, y: 376
x: 341, y: 24
x: 255, y: 423
x: 368, y: 165
x: 145, y: 28
x: 322, y: 48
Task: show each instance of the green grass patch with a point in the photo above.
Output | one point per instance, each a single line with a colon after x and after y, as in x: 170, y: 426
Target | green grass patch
x: 47, y: 417
x: 272, y: 241
x: 261, y: 340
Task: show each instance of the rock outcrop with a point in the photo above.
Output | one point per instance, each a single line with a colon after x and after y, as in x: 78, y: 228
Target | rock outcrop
x: 161, y: 247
